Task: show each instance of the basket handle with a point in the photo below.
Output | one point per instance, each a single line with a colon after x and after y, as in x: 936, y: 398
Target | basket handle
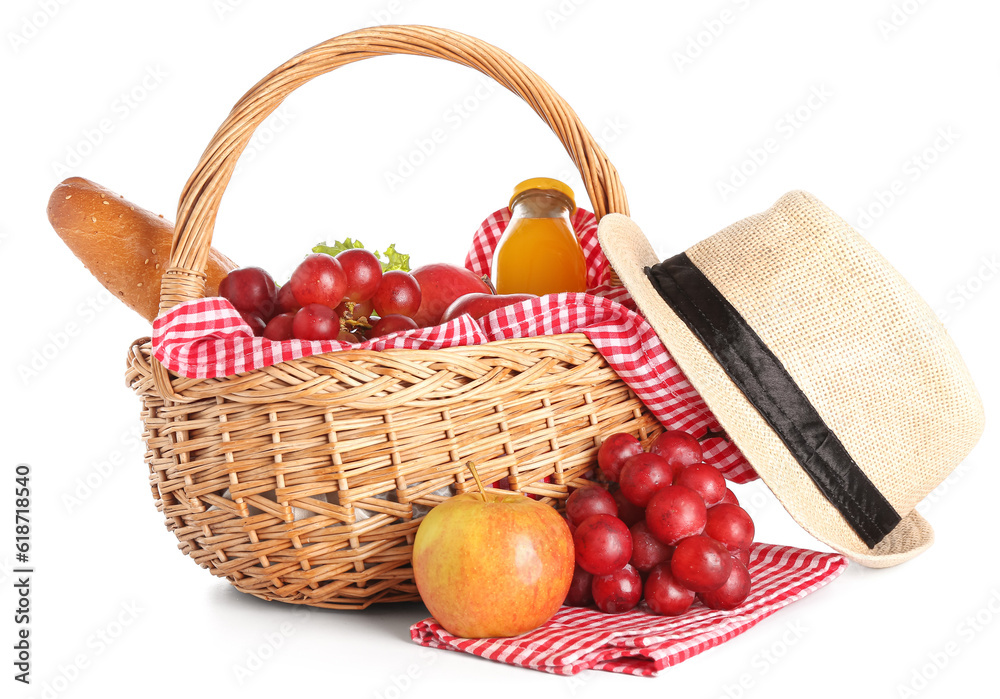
x: 185, y: 277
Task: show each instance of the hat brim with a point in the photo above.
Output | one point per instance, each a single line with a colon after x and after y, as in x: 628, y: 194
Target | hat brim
x: 629, y: 253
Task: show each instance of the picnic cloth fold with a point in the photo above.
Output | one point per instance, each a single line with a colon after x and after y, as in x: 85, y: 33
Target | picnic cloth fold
x: 641, y: 643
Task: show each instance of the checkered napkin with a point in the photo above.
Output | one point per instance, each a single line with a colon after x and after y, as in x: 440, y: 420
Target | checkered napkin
x: 207, y: 338
x: 640, y: 643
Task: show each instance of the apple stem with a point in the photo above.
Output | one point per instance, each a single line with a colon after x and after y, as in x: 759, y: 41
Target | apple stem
x: 479, y: 483
x: 489, y: 282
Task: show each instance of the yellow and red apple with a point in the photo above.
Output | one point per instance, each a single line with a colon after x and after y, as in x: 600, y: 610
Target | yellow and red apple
x: 493, y: 565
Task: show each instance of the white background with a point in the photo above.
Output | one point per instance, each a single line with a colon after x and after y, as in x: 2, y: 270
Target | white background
x: 677, y: 108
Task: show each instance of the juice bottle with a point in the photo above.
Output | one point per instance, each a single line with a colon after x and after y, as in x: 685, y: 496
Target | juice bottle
x: 539, y: 253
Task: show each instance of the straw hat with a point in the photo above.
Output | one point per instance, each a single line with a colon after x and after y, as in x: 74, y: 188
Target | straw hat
x: 834, y: 378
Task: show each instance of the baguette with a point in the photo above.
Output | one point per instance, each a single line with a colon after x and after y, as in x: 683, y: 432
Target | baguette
x: 127, y: 248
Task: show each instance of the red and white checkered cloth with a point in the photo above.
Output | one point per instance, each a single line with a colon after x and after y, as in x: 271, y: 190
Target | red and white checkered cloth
x: 206, y: 338
x: 640, y: 643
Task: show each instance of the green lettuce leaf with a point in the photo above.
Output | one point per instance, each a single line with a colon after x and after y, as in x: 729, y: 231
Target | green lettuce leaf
x: 390, y: 258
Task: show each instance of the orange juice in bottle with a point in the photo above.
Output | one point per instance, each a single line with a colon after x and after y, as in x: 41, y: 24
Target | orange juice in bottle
x: 539, y: 252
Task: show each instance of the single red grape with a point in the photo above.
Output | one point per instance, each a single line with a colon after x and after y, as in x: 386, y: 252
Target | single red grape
x: 701, y: 563
x: 642, y: 475
x: 743, y: 555
x: 348, y: 336
x: 363, y: 271
x: 647, y: 550
x: 580, y: 594
x: 280, y: 327
x: 355, y: 311
x: 284, y: 300
x: 704, y: 479
x: 617, y: 592
x: 664, y: 595
x: 589, y: 500
x: 319, y: 279
x: 255, y: 322
x: 613, y: 453
x: 505, y: 486
x: 603, y: 544
x: 390, y: 324
x: 628, y: 512
x: 365, y: 309
x: 731, y: 526
x: 250, y: 290
x: 675, y: 513
x: 732, y: 593
x: 316, y: 321
x: 397, y: 294
x: 729, y: 497
x: 678, y: 448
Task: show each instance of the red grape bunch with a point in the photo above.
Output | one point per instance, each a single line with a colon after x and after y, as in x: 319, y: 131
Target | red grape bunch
x: 671, y: 530
x: 345, y: 297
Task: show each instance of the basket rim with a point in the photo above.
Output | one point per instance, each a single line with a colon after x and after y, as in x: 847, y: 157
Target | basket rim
x: 243, y: 386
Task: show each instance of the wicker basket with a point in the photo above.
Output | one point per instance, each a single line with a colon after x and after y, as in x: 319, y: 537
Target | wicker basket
x: 305, y: 481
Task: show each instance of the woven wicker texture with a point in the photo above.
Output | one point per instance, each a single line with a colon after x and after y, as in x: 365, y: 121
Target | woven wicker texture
x: 304, y: 482
x: 869, y: 353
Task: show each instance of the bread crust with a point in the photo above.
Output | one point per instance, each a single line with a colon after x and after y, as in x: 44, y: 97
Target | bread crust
x: 125, y: 246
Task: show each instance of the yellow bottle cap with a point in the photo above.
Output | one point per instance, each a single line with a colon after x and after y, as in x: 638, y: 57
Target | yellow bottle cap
x: 543, y: 183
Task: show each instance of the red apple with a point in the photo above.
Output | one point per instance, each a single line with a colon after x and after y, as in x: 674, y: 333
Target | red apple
x: 440, y: 285
x: 497, y: 565
x: 478, y: 305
